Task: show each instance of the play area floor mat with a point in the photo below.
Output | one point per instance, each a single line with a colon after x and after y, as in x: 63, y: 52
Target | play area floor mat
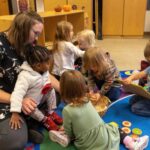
x: 119, y: 111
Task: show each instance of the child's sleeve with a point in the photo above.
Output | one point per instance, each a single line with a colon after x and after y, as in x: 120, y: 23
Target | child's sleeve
x: 91, y: 83
x: 109, y: 77
x: 77, y: 52
x: 67, y: 123
x: 147, y: 70
x: 19, y: 92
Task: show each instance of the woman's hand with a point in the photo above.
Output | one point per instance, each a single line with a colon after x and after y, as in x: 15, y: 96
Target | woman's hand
x: 28, y: 106
x: 15, y: 121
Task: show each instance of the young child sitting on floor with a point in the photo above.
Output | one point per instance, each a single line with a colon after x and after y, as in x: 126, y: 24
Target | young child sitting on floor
x: 65, y: 53
x: 102, y: 73
x: 34, y: 82
x: 141, y: 105
x: 85, y: 40
x: 145, y: 63
x: 83, y: 124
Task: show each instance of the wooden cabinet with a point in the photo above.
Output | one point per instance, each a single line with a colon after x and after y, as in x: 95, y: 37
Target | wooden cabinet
x: 123, y: 17
x: 134, y: 17
x: 88, y: 10
x: 51, y: 18
x: 112, y: 17
x: 4, y: 8
x: 51, y: 4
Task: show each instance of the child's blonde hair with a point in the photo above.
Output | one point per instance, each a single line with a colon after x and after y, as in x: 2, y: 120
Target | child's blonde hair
x: 95, y: 58
x: 73, y: 87
x: 147, y: 50
x: 62, y: 33
x: 88, y: 36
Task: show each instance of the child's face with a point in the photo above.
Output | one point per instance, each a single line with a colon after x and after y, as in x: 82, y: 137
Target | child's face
x: 94, y: 69
x: 42, y: 67
x: 83, y: 44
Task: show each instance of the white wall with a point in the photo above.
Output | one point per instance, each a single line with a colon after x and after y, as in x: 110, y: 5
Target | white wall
x: 147, y: 22
x: 14, y: 6
x: 39, y: 5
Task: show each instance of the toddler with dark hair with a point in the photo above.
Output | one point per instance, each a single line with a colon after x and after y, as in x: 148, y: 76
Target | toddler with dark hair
x: 33, y: 81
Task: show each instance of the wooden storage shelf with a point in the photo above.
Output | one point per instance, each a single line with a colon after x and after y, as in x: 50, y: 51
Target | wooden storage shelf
x: 50, y: 18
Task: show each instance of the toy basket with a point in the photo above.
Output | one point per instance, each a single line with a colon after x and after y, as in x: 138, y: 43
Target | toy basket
x: 101, y: 104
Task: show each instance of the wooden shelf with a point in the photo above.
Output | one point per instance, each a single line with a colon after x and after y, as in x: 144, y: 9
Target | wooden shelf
x: 51, y: 18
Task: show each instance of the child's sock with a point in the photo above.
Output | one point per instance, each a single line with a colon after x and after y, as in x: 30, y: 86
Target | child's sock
x: 140, y: 144
x: 57, y: 119
x: 59, y: 137
x: 49, y: 124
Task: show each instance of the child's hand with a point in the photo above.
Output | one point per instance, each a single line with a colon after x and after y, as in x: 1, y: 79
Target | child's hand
x: 61, y: 128
x: 15, y: 121
x: 127, y: 81
x: 94, y: 96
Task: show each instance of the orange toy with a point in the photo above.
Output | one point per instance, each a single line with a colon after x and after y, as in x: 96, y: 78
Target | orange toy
x: 134, y: 136
x: 126, y: 124
x: 126, y: 130
x: 67, y: 8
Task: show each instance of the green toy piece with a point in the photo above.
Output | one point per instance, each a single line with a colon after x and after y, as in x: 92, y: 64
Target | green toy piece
x: 137, y: 131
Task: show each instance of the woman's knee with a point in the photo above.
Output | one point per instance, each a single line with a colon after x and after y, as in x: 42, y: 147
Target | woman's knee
x: 17, y: 139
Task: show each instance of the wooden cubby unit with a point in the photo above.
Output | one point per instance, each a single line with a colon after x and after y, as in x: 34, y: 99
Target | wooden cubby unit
x: 50, y: 18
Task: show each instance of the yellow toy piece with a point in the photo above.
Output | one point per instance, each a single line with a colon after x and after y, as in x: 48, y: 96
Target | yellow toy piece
x: 128, y: 73
x: 114, y: 124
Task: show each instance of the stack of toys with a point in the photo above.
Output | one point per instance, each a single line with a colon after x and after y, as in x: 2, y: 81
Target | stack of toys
x: 134, y: 133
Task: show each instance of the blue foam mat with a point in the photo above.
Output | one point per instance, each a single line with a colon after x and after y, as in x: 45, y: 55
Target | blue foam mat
x: 120, y: 111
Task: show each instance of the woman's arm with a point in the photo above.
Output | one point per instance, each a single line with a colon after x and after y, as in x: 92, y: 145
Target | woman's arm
x: 4, y: 97
x: 55, y: 83
x: 28, y: 104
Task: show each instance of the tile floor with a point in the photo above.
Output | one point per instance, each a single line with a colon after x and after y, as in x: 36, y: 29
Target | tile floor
x: 126, y: 52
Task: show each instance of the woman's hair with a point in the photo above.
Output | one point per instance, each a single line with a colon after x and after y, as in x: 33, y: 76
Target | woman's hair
x: 88, y: 36
x: 19, y: 31
x: 73, y: 87
x: 62, y: 33
x: 147, y: 50
x: 95, y: 57
x: 37, y: 54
